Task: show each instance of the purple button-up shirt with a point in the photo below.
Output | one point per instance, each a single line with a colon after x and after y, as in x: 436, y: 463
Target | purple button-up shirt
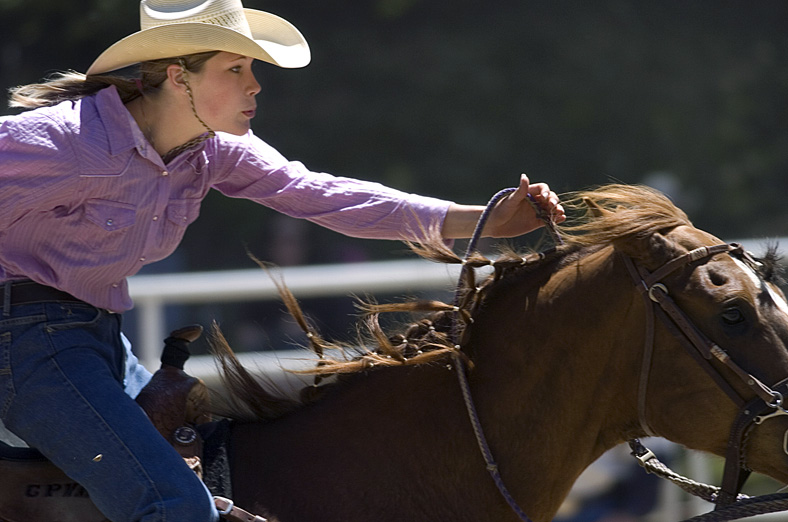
x: 85, y: 201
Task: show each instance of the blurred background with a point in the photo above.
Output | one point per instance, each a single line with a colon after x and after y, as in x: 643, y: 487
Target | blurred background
x: 455, y: 100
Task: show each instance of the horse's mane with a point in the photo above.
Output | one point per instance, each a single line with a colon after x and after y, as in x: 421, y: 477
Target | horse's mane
x: 596, y: 218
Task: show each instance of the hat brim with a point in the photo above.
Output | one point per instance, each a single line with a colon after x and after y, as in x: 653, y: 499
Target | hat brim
x: 274, y: 40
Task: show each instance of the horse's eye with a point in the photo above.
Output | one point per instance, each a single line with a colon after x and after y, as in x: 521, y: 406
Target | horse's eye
x: 731, y: 316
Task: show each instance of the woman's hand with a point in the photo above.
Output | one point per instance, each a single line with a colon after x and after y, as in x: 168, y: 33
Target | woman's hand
x: 512, y: 216
x: 515, y: 215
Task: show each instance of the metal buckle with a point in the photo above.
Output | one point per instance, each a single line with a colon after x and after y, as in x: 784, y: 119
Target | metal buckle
x: 654, y: 287
x: 778, y: 400
x: 777, y: 404
x: 648, y: 455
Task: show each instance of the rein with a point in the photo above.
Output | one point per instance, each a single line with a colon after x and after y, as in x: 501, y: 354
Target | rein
x: 460, y: 363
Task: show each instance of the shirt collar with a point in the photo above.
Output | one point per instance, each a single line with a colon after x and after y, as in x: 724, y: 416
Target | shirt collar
x: 122, y: 131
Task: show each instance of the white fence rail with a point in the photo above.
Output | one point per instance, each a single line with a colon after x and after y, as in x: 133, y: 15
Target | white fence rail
x: 151, y: 293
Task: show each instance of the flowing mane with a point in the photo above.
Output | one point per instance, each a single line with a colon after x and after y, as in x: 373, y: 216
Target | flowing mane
x: 597, y: 217
x: 615, y: 211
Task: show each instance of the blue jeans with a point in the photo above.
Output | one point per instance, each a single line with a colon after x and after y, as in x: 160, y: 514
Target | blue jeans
x: 61, y: 390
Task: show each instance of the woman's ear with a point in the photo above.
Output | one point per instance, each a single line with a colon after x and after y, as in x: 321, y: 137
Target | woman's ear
x: 176, y: 77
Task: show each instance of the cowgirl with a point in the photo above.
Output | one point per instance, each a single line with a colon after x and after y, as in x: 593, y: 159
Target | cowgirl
x: 102, y: 178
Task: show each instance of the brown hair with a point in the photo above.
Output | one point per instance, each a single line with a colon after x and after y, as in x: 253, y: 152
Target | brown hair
x: 71, y: 85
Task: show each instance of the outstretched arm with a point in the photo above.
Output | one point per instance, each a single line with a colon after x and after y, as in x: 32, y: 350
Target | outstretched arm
x: 512, y: 216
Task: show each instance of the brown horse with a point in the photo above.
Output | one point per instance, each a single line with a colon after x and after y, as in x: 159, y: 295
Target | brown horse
x: 556, y: 347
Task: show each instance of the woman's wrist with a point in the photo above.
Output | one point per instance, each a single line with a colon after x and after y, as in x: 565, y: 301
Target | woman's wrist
x: 460, y: 221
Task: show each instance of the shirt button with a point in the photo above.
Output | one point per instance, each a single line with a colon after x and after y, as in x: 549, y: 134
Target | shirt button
x: 109, y: 222
x: 165, y: 173
x: 115, y: 285
x: 155, y: 218
x: 142, y: 258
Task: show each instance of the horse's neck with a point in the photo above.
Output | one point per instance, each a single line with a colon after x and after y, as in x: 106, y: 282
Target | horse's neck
x: 554, y: 384
x: 547, y: 400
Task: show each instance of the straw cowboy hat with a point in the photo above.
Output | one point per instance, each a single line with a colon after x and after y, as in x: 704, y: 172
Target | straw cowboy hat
x: 172, y: 28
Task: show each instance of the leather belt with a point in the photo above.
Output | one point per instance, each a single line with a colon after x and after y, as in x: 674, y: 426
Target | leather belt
x: 29, y: 292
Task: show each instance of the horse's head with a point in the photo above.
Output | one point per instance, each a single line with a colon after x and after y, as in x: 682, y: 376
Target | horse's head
x: 732, y: 308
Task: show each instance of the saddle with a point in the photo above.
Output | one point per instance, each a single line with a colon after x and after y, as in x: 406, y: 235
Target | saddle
x: 34, y: 490
x: 175, y: 402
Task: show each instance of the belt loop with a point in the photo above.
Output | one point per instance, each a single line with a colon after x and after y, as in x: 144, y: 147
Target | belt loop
x: 7, y: 299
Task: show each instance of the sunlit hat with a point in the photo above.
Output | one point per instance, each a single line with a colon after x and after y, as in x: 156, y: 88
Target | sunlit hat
x: 172, y: 28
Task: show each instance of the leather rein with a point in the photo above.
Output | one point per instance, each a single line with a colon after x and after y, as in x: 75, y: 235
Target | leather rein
x: 768, y: 402
x: 462, y: 367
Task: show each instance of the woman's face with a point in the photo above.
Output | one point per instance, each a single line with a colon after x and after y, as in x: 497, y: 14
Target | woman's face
x: 224, y: 92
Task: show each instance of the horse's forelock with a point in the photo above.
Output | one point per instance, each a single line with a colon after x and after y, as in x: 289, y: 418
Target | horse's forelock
x: 616, y: 211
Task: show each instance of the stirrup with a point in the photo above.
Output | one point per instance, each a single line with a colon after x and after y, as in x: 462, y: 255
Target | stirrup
x: 229, y: 511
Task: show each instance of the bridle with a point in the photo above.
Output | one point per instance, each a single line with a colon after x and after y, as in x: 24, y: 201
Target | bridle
x: 768, y: 401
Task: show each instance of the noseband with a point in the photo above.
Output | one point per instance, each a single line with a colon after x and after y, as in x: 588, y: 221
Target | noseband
x: 768, y: 401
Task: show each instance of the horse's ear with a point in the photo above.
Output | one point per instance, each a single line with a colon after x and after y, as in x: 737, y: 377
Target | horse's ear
x: 651, y: 251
